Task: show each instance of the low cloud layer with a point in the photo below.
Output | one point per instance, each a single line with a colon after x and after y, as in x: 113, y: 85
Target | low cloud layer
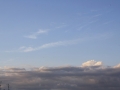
x: 92, y: 75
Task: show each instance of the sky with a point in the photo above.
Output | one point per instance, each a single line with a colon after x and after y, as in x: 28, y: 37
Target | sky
x: 60, y: 44
x: 55, y: 33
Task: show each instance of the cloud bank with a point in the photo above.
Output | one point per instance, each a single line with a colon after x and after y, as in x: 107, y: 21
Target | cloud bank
x: 93, y: 76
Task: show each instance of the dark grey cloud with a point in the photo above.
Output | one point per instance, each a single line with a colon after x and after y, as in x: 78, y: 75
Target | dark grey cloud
x: 61, y: 78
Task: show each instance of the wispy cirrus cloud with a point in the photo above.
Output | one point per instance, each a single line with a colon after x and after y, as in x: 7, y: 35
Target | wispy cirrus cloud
x: 35, y: 34
x: 49, y: 45
x: 59, y: 43
x: 97, y: 15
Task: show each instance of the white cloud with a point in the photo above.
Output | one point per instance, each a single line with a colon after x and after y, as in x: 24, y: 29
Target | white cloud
x: 117, y: 66
x: 97, y: 15
x: 48, y: 45
x: 34, y: 35
x: 63, y: 25
x: 28, y: 49
x: 58, y: 43
x: 92, y: 63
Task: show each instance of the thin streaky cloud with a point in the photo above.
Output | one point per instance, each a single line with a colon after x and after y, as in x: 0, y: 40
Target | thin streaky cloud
x: 64, y: 25
x: 87, y: 24
x: 107, y: 22
x: 64, y: 43
x: 97, y: 15
x: 59, y: 43
x: 41, y: 31
x: 49, y: 45
x: 36, y: 34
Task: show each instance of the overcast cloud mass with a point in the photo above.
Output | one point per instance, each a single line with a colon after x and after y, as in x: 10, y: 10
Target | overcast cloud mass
x: 91, y: 75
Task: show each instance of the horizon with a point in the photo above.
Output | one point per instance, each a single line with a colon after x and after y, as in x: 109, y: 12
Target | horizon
x: 60, y: 44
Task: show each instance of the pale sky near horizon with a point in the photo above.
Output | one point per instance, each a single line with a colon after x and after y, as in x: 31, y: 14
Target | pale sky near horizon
x: 59, y: 32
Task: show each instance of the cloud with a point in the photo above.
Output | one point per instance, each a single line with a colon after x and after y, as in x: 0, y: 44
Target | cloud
x: 61, y: 78
x: 59, y: 43
x: 92, y: 63
x: 107, y: 22
x: 61, y: 26
x: 49, y: 45
x: 34, y: 35
x: 97, y: 15
x: 117, y: 66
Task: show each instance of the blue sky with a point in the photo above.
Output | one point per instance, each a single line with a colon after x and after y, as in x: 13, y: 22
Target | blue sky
x: 55, y: 33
